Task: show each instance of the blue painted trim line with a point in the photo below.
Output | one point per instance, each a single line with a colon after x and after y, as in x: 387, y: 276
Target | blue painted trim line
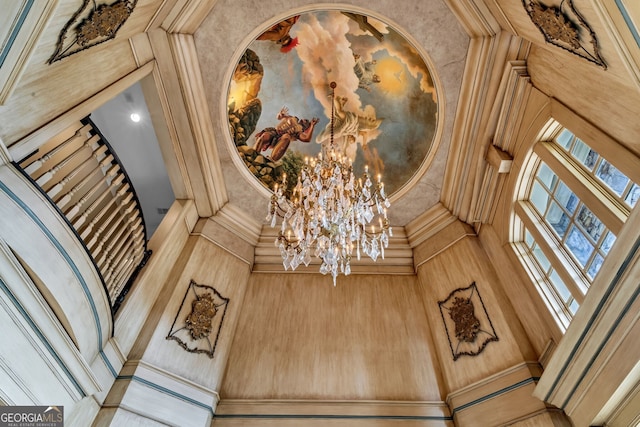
x: 40, y: 335
x: 592, y: 320
x: 15, y: 30
x: 623, y: 313
x: 495, y: 394
x: 107, y: 362
x: 628, y: 21
x: 279, y: 416
x: 166, y: 391
x: 337, y: 417
x: 64, y: 254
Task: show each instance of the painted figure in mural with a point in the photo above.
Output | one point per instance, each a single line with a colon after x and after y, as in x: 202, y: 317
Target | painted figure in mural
x: 279, y: 34
x: 349, y: 129
x: 289, y: 129
x: 365, y: 73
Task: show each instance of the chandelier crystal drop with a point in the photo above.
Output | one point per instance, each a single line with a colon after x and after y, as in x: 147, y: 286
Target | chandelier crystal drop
x: 330, y: 213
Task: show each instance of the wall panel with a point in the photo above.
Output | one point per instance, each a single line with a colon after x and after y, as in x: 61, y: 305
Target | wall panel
x: 299, y: 337
x: 208, y: 265
x: 457, y: 267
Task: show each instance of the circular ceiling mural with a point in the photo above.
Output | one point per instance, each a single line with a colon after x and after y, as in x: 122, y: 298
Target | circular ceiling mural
x: 280, y: 101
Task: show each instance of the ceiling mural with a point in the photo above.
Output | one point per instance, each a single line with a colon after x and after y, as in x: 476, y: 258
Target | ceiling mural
x: 280, y: 103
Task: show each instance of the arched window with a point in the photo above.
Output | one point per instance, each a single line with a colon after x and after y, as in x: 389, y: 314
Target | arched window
x: 572, y: 204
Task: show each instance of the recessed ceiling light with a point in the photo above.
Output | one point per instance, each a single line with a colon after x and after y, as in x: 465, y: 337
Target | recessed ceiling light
x: 135, y: 117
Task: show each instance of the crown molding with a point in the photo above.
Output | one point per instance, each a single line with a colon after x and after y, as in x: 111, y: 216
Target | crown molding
x: 192, y: 87
x: 427, y: 225
x: 324, y: 409
x: 398, y: 257
x: 185, y: 16
x: 475, y: 17
x: 475, y: 123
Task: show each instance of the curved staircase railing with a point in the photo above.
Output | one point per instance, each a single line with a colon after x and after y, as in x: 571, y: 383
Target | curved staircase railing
x: 83, y: 178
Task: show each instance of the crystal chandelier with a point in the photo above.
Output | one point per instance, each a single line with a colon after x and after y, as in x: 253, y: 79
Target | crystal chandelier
x: 330, y: 213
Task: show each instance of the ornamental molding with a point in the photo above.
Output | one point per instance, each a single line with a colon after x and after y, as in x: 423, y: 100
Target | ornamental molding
x: 466, y: 322
x: 91, y: 25
x: 198, y: 322
x: 566, y: 28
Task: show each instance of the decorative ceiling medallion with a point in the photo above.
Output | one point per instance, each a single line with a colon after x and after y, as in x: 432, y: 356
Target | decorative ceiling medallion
x: 566, y: 29
x: 467, y: 323
x: 92, y: 24
x: 279, y: 102
x: 201, y: 326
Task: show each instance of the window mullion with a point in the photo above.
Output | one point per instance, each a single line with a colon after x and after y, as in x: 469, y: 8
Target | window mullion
x: 604, y: 206
x: 551, y: 297
x: 552, y: 248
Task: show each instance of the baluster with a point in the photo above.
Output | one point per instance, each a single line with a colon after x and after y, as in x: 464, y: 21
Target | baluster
x: 77, y: 208
x: 117, y: 246
x: 56, y: 189
x: 117, y: 229
x: 89, y: 227
x: 68, y: 198
x: 103, y: 227
x: 134, y: 260
x: 79, y: 222
x: 37, y: 164
x: 121, y: 279
x: 110, y: 237
x: 117, y: 253
x: 115, y: 286
x: 113, y: 260
x: 48, y: 175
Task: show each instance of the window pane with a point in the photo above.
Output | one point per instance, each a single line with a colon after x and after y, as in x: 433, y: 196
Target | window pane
x: 579, y: 246
x: 528, y: 238
x: 595, y: 266
x: 542, y: 260
x: 590, y: 223
x: 566, y: 197
x: 611, y: 176
x: 564, y: 139
x: 546, y: 176
x: 562, y: 289
x: 539, y: 197
x: 584, y: 154
x: 558, y: 219
x: 608, y: 241
x: 633, y: 195
x: 574, y: 306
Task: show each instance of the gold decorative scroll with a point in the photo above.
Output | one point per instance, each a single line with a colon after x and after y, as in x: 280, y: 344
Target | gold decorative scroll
x: 198, y: 322
x: 565, y: 28
x: 466, y: 322
x: 91, y: 25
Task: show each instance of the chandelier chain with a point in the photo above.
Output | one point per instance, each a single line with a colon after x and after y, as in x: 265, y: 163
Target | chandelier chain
x: 329, y: 212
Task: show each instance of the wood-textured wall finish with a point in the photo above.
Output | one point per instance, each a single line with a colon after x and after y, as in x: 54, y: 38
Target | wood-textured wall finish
x: 299, y: 337
x: 583, y: 86
x: 47, y: 91
x: 209, y: 264
x: 458, y: 266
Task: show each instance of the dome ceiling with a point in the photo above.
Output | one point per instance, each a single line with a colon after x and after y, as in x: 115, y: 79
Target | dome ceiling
x: 280, y: 103
x: 260, y: 60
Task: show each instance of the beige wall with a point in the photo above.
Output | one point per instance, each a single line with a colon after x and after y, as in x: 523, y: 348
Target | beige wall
x: 299, y: 337
x: 457, y: 267
x: 207, y: 264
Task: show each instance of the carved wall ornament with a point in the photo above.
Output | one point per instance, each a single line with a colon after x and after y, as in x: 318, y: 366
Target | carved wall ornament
x: 92, y: 24
x: 565, y: 28
x: 198, y: 322
x: 466, y: 322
